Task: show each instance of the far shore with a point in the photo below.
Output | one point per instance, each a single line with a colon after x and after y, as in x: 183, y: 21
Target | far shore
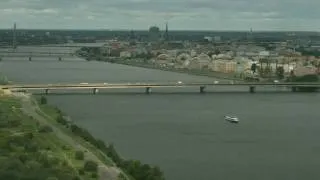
x: 204, y: 72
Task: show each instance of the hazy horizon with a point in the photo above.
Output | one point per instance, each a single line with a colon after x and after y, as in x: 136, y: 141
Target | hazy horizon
x: 227, y: 15
x: 147, y: 29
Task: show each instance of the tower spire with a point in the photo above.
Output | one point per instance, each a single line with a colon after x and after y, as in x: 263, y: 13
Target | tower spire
x: 14, y: 43
x: 167, y: 33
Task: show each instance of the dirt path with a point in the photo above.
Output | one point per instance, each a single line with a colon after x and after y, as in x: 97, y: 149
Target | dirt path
x: 31, y: 109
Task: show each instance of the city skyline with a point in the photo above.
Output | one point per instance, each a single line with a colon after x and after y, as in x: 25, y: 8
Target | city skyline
x: 230, y: 15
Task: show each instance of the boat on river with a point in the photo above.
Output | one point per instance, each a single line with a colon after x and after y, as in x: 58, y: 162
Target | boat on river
x: 231, y: 119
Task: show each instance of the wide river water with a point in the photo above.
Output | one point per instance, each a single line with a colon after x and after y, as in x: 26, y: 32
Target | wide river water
x: 184, y: 133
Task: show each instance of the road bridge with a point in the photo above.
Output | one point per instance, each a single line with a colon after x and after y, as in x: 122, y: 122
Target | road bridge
x: 35, y: 54
x: 148, y: 86
x: 31, y: 55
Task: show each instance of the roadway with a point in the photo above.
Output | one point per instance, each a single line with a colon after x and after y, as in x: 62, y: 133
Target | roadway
x: 151, y: 85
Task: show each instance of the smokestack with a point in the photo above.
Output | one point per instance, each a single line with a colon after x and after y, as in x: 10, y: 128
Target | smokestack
x: 14, y: 43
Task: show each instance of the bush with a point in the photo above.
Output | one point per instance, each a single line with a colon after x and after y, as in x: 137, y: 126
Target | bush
x: 43, y: 100
x: 52, y: 178
x: 90, y: 166
x: 94, y: 175
x: 29, y: 135
x: 79, y: 155
x: 45, y: 129
x: 76, y: 178
x: 23, y: 158
x: 121, y: 176
x: 61, y: 120
x: 14, y: 123
x: 81, y: 171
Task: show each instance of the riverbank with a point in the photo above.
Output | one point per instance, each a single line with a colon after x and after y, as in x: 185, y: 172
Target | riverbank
x: 31, y: 139
x: 197, y: 72
x: 3, y: 79
x: 76, y: 145
x: 149, y: 65
x: 133, y: 169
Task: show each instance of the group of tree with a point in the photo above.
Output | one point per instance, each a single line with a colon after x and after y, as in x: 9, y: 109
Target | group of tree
x: 305, y: 78
x: 23, y: 156
x: 304, y: 52
x: 133, y: 168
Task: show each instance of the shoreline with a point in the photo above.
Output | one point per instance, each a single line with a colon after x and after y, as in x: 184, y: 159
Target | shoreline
x: 110, y: 165
x: 106, y: 152
x: 195, y: 72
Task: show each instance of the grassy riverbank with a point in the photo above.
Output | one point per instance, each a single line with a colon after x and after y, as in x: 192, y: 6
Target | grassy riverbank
x: 132, y: 169
x: 39, y: 142
x: 30, y: 148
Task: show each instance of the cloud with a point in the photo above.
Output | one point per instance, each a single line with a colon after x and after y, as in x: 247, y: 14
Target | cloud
x: 181, y: 14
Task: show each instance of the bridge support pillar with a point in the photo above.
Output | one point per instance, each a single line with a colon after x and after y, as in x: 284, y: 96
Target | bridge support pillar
x: 46, y: 91
x: 95, y: 90
x: 202, y: 89
x: 294, y: 89
x: 148, y: 90
x: 252, y: 89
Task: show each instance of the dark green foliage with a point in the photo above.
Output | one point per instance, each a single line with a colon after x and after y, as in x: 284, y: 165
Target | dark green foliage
x: 253, y: 67
x: 14, y: 123
x: 61, y: 120
x: 79, y: 155
x: 45, y: 129
x: 306, y: 78
x: 134, y: 168
x: 29, y: 135
x: 121, y: 176
x: 76, y: 178
x: 90, y: 166
x: 31, y: 147
x: 43, y: 100
x: 81, y: 171
x: 280, y: 72
x: 22, y: 155
x: 94, y: 175
x: 52, y: 178
x: 309, y: 53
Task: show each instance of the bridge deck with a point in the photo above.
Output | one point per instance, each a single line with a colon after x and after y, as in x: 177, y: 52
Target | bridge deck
x: 149, y: 85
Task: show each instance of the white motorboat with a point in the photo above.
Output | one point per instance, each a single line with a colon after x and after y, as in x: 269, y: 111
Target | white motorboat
x: 231, y: 119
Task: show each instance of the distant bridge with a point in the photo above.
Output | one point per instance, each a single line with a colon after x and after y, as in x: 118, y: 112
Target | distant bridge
x: 35, y: 54
x: 148, y: 86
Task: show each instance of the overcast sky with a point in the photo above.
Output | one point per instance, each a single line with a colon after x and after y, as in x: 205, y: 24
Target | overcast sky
x: 181, y: 14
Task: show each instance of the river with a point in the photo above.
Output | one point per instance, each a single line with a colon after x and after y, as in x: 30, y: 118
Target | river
x: 184, y: 133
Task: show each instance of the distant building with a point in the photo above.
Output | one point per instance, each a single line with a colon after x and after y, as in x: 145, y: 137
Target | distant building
x: 154, y: 33
x: 305, y: 70
x: 217, y: 38
x: 125, y: 54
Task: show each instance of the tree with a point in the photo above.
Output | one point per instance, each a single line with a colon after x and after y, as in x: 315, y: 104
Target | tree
x: 280, y: 72
x: 43, y: 100
x: 79, y: 155
x: 254, y: 67
x: 90, y: 166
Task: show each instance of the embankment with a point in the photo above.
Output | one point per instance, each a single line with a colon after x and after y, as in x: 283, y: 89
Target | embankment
x: 197, y: 72
x: 134, y: 169
x: 144, y: 63
x: 40, y: 137
x: 3, y: 79
x: 31, y: 149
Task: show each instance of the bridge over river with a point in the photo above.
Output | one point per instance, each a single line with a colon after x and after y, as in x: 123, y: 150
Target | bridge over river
x: 148, y: 86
